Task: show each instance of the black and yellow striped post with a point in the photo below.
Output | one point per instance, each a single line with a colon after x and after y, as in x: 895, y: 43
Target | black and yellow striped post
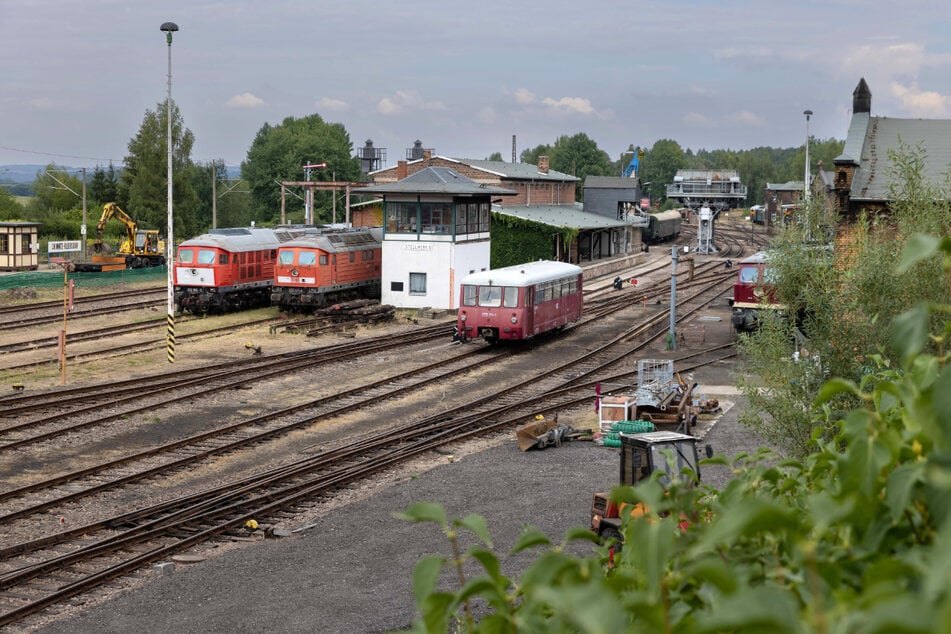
x: 170, y: 338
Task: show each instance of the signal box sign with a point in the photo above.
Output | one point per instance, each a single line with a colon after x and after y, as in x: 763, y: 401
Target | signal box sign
x: 64, y: 245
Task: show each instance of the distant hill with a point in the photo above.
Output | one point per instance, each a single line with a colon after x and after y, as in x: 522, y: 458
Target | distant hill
x: 27, y: 173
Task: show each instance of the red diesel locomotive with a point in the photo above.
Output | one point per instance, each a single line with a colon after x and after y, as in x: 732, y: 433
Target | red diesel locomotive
x: 228, y: 269
x: 519, y: 302
x: 333, y: 265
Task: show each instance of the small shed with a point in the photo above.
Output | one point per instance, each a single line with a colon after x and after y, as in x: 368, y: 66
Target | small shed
x: 19, y: 246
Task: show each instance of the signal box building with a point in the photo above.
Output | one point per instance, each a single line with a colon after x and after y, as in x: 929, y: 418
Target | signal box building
x: 436, y: 225
x: 19, y: 244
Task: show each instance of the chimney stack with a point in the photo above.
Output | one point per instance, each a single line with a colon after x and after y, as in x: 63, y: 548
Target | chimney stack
x: 401, y: 170
x: 542, y: 164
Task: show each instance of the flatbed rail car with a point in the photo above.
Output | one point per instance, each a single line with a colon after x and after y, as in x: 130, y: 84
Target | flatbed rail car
x: 229, y: 269
x: 332, y: 266
x: 519, y: 302
x: 752, y: 293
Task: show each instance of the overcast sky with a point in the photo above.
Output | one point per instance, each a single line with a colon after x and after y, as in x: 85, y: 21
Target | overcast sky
x: 77, y: 77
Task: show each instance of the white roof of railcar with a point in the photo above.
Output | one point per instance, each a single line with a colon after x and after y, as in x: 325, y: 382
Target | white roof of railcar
x: 522, y: 274
x: 239, y: 239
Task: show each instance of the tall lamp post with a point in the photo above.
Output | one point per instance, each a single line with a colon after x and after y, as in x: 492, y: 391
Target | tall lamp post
x: 169, y: 28
x: 806, y: 186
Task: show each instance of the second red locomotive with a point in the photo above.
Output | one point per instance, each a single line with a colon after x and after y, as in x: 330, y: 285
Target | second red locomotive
x: 519, y: 302
x: 333, y: 265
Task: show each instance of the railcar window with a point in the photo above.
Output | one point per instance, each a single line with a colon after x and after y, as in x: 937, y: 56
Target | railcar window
x: 490, y: 296
x: 186, y: 256
x: 748, y: 274
x: 470, y: 292
x: 306, y: 258
x: 510, y: 300
x: 285, y: 257
x: 206, y: 256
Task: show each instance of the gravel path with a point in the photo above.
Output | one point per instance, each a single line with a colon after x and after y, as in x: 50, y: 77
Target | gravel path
x: 350, y: 571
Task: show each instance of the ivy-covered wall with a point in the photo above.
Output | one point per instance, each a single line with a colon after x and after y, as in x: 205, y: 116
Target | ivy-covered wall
x: 515, y: 240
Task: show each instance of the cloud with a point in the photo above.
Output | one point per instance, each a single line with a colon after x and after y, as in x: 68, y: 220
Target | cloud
x: 524, y: 97
x: 697, y: 120
x: 42, y: 103
x: 570, y: 104
x: 327, y: 103
x: 405, y: 101
x: 920, y: 103
x: 486, y: 115
x: 244, y: 100
x: 747, y: 118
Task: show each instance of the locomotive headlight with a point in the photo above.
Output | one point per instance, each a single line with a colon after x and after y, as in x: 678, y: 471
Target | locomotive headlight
x: 462, y: 316
x: 514, y: 319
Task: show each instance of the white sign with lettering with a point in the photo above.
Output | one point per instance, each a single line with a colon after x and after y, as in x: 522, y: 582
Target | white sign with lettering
x: 64, y: 245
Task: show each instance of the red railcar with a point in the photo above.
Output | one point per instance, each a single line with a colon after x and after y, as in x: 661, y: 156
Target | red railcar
x: 519, y: 302
x: 333, y: 265
x: 752, y: 292
x: 228, y: 269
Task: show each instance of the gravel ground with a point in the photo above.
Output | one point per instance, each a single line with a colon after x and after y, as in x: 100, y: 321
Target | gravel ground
x: 350, y: 570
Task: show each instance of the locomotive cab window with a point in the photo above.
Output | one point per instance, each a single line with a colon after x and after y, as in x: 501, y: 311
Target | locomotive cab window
x: 306, y: 258
x: 223, y: 258
x: 285, y: 257
x: 206, y: 256
x: 490, y: 296
x: 323, y: 260
x: 186, y: 256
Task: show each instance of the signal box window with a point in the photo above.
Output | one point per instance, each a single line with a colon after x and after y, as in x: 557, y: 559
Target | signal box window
x: 305, y: 258
x: 417, y: 283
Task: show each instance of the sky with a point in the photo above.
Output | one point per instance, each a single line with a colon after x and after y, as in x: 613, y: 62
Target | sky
x: 77, y: 77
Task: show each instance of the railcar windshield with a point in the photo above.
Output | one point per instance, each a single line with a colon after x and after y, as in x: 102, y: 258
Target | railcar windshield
x: 489, y: 296
x: 206, y: 256
x: 285, y: 257
x: 749, y: 274
x: 186, y: 256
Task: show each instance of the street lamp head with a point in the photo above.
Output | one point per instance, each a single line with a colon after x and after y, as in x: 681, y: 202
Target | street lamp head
x: 808, y: 114
x: 169, y: 28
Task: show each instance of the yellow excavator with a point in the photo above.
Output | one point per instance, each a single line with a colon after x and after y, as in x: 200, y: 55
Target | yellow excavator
x: 141, y: 247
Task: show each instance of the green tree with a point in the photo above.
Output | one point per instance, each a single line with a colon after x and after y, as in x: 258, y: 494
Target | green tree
x: 278, y: 153
x: 143, y: 183
x: 56, y: 190
x: 10, y: 208
x: 659, y: 166
x: 103, y: 187
x: 576, y: 155
x: 842, y: 303
x: 530, y: 156
x: 232, y: 207
x: 495, y: 156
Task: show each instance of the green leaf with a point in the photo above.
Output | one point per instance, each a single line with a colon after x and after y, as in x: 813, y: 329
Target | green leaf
x: 834, y: 387
x: 425, y: 576
x: 942, y: 403
x: 901, y: 487
x: 919, y: 247
x: 761, y: 609
x: 530, y: 537
x: 477, y: 524
x: 424, y: 512
x: 577, y: 533
x: 490, y: 563
x: 910, y: 331
x: 436, y: 611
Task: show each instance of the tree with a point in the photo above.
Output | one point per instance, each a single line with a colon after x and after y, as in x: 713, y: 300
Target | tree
x: 660, y: 165
x: 143, y: 185
x: 56, y: 191
x: 10, y: 208
x: 841, y: 303
x: 495, y: 156
x: 103, y: 187
x: 232, y: 207
x: 278, y: 153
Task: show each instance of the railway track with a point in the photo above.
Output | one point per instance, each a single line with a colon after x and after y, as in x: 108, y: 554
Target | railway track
x: 33, y: 572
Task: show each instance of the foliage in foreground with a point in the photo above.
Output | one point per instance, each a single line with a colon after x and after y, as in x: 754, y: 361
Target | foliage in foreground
x: 856, y: 537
